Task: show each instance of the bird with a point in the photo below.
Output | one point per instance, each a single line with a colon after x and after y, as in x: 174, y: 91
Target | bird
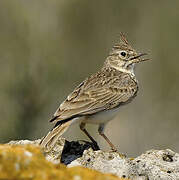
x: 99, y: 97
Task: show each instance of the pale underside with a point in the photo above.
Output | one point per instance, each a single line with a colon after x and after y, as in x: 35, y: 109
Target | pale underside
x: 99, y: 118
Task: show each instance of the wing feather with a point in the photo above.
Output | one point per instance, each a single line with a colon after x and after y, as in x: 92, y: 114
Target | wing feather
x: 94, y: 96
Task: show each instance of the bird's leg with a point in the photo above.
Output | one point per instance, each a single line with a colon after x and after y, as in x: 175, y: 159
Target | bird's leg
x: 101, y: 132
x: 82, y: 127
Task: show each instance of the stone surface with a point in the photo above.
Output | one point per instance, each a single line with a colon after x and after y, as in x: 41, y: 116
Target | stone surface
x: 23, y: 142
x: 27, y: 162
x: 158, y: 164
x: 63, y: 151
x: 152, y: 165
x: 111, y: 162
x: 74, y: 149
x: 54, y: 155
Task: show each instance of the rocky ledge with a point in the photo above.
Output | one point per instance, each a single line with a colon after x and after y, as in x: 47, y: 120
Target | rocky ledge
x: 25, y: 160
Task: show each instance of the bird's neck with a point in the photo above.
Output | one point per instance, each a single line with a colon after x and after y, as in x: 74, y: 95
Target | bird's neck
x: 120, y: 66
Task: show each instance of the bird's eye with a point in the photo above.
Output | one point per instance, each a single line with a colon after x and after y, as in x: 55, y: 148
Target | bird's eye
x: 123, y: 53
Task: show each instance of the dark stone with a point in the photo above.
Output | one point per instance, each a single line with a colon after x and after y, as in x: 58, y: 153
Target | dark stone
x: 168, y: 158
x: 169, y: 172
x: 74, y: 149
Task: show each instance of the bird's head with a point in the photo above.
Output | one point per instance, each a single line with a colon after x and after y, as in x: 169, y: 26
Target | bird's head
x: 123, y: 57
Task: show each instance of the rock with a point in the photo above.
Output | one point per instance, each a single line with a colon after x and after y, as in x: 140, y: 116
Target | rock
x: 63, y: 151
x: 28, y: 162
x: 153, y: 165
x: 54, y: 155
x: 74, y: 149
x: 111, y: 162
x: 158, y: 164
x: 23, y: 142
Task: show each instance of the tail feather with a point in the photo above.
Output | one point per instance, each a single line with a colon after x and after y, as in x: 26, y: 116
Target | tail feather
x: 48, y: 142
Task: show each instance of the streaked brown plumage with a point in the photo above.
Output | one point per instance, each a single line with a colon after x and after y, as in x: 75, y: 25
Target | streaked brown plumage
x: 98, y: 98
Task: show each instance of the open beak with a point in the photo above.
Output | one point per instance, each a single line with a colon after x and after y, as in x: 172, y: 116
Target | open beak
x: 137, y: 59
x: 140, y: 55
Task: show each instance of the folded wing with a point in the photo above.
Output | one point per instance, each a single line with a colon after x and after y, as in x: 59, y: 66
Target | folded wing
x: 92, y: 97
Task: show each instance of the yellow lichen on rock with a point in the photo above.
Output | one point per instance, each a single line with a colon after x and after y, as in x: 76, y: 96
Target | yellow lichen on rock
x: 20, y: 162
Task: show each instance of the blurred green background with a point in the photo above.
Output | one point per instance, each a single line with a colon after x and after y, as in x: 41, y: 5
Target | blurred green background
x: 48, y: 47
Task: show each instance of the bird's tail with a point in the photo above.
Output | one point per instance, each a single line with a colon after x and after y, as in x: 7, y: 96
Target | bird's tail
x: 48, y: 142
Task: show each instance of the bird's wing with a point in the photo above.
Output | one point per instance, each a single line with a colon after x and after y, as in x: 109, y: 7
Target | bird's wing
x: 94, y: 96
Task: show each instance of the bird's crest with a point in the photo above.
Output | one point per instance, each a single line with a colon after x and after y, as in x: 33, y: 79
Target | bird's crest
x: 123, y: 43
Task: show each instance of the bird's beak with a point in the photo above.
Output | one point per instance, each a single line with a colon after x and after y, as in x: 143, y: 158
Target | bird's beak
x: 137, y: 59
x: 138, y: 56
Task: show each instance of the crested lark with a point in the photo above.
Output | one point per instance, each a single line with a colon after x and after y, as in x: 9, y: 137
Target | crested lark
x: 99, y: 97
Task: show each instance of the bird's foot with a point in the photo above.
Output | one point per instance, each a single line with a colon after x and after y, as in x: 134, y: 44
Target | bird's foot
x: 93, y: 145
x: 114, y: 150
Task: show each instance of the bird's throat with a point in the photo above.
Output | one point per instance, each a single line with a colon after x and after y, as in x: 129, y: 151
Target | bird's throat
x: 120, y: 66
